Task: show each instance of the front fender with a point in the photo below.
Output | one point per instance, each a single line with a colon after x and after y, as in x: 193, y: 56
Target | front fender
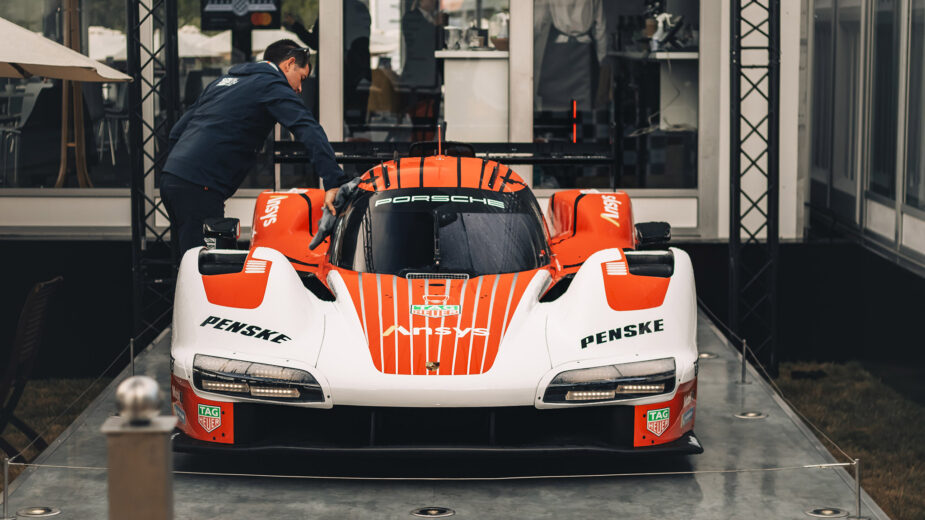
x: 632, y: 323
x: 263, y: 313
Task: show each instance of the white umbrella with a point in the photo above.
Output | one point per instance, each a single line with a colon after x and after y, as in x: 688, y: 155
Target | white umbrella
x: 260, y: 40
x: 193, y: 44
x: 103, y: 42
x: 24, y: 53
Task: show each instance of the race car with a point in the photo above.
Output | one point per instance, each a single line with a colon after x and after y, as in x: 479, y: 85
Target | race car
x: 443, y: 313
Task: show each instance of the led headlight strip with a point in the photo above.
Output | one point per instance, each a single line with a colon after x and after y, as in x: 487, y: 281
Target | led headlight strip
x: 612, y: 382
x: 255, y: 380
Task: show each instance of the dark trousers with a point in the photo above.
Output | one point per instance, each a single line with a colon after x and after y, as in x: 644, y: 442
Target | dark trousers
x: 188, y: 205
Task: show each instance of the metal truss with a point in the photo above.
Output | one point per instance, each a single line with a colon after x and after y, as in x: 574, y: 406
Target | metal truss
x: 753, y: 175
x: 153, y: 106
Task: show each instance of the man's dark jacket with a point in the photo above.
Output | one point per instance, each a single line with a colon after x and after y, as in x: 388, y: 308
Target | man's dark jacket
x: 217, y: 140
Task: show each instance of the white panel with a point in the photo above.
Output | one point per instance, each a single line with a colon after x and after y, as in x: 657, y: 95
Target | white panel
x: 790, y: 197
x: 242, y: 209
x: 331, y: 71
x: 160, y: 219
x: 722, y: 186
x: 476, y: 90
x: 65, y: 211
x: 680, y: 212
x: 881, y: 219
x: 914, y: 233
x: 520, y: 123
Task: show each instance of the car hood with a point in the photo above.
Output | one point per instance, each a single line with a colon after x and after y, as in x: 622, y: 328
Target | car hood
x: 435, y: 326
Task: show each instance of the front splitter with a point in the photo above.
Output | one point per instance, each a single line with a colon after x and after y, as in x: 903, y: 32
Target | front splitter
x: 687, y: 444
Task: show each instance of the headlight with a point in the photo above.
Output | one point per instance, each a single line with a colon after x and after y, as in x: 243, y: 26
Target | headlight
x: 612, y: 382
x: 256, y: 380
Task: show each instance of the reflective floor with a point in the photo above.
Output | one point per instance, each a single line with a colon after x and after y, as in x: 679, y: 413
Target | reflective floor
x: 556, y: 488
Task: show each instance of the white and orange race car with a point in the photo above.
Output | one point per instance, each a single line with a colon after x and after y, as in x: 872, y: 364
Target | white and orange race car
x: 441, y: 314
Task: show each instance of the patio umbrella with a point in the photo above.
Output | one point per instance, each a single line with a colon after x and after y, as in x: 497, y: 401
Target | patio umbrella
x: 24, y: 53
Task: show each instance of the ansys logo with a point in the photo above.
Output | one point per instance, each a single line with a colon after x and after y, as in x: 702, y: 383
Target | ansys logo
x: 434, y: 307
x: 611, y: 209
x: 210, y: 417
x: 657, y: 420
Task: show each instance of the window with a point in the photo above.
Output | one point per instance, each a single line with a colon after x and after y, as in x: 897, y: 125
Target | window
x: 30, y: 109
x: 915, y: 148
x: 884, y: 95
x: 844, y: 130
x: 393, y: 80
x: 822, y: 94
x: 598, y: 62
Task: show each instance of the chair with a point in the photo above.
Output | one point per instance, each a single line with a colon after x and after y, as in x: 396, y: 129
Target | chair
x: 96, y: 112
x: 21, y: 105
x: 117, y: 119
x: 9, y: 133
x: 29, y: 333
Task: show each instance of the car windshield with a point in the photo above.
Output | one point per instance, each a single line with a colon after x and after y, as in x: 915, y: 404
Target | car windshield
x: 437, y: 230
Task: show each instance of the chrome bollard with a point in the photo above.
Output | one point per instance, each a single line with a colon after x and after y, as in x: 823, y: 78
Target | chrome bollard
x: 140, y: 454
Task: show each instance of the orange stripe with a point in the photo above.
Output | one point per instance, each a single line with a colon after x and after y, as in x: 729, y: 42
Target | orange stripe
x: 481, y: 321
x: 387, y: 293
x: 448, y: 351
x: 417, y: 351
x: 495, y: 321
x: 439, y: 172
x: 403, y: 359
x: 374, y: 332
x: 447, y: 288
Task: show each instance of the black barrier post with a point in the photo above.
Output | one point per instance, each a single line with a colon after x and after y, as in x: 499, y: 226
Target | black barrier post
x: 153, y: 107
x: 754, y: 205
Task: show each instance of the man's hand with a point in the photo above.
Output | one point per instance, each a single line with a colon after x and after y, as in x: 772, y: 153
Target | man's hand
x: 329, y: 200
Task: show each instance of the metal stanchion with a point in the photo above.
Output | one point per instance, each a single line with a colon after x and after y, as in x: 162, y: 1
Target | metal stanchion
x: 131, y: 349
x: 6, y: 489
x: 857, y: 486
x: 744, y: 360
x: 857, y: 492
x: 140, y: 456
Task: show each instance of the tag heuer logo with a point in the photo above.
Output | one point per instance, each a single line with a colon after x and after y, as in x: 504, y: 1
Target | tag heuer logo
x: 657, y: 420
x: 210, y: 417
x: 435, y: 311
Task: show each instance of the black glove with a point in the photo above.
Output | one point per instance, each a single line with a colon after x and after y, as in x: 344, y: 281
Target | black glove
x: 326, y: 224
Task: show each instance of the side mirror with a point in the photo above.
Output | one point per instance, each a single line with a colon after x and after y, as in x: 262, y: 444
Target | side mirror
x: 653, y: 235
x: 221, y: 233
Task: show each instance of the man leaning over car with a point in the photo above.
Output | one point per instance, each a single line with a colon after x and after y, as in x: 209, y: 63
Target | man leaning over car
x: 216, y: 142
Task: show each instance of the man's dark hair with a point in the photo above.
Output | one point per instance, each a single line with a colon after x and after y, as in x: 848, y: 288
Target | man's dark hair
x: 282, y: 50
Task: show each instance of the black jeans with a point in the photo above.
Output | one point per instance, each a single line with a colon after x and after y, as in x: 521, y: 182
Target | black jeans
x: 188, y: 205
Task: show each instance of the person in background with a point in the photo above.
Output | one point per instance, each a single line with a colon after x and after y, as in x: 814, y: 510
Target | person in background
x: 570, y: 43
x: 214, y: 144
x: 421, y: 73
x: 357, y: 73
